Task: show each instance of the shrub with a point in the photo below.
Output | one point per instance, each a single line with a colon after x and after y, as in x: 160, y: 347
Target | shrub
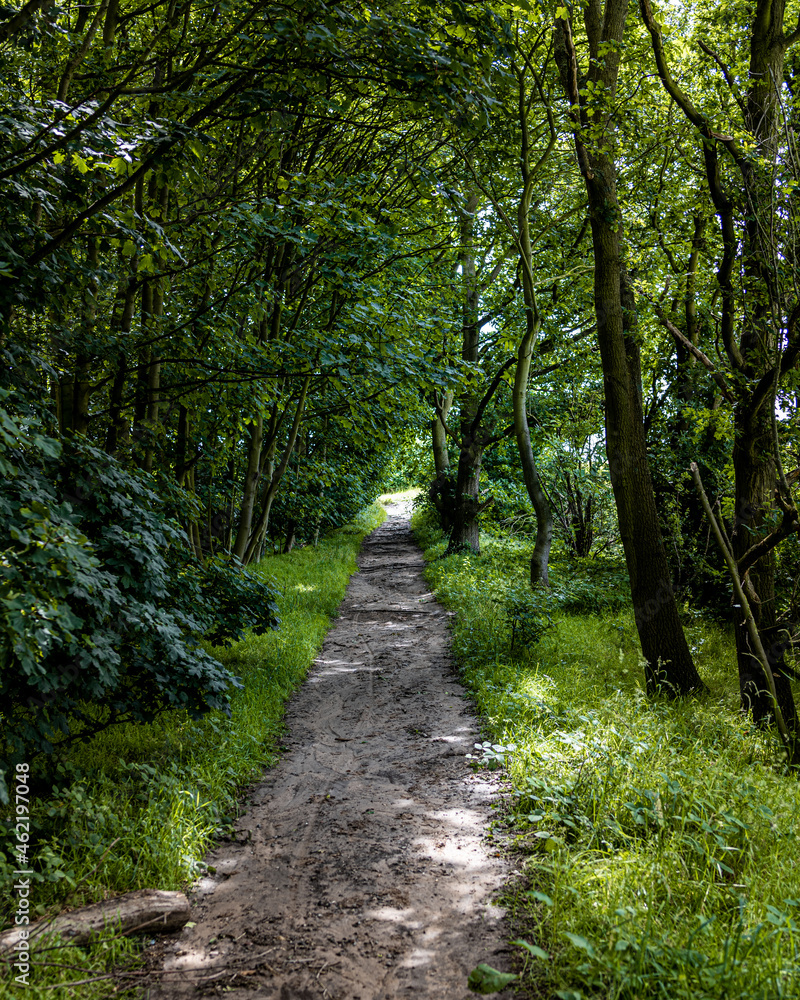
x: 102, y: 608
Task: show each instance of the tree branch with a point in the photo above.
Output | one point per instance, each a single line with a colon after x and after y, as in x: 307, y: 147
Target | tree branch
x: 695, y: 351
x: 7, y: 28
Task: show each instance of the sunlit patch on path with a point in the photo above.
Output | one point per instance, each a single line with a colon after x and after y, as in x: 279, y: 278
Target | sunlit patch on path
x: 360, y: 871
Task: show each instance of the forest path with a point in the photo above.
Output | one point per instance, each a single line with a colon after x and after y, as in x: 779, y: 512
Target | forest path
x: 360, y: 869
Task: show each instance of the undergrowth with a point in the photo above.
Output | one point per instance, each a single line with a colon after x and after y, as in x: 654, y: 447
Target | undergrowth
x: 139, y: 805
x: 656, y: 839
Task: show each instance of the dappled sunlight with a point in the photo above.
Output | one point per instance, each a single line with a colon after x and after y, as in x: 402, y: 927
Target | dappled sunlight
x: 418, y: 957
x: 333, y: 668
x: 394, y: 916
x: 649, y: 829
x: 363, y: 854
x: 454, y: 737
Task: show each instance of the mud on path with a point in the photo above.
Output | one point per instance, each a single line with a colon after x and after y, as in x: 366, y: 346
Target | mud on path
x: 360, y: 869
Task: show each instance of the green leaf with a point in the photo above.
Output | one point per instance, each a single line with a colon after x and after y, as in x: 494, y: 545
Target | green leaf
x: 541, y: 896
x: 80, y: 163
x: 580, y: 942
x: 534, y: 949
x: 484, y: 979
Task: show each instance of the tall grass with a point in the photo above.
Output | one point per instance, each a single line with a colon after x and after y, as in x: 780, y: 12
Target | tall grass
x: 655, y: 839
x: 139, y: 805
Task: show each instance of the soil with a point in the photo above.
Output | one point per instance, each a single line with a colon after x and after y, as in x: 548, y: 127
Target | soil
x: 361, y: 868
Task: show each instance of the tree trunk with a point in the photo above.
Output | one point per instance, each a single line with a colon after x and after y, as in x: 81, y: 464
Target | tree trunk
x: 530, y: 474
x: 465, y: 533
x: 260, y: 530
x: 181, y: 444
x: 441, y: 457
x: 767, y: 314
x: 544, y: 515
x: 250, y: 487
x: 755, y: 461
x: 65, y: 403
x: 144, y: 911
x: 755, y: 476
x: 118, y: 427
x: 669, y: 667
x: 83, y: 390
x: 154, y: 368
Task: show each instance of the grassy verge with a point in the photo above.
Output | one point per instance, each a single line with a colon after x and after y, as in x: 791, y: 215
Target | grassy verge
x: 139, y: 806
x: 655, y: 840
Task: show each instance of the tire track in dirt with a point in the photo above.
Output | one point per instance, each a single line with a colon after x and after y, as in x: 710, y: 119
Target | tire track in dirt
x: 359, y: 871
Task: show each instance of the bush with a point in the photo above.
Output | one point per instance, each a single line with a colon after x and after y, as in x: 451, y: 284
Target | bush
x: 102, y: 607
x: 233, y: 601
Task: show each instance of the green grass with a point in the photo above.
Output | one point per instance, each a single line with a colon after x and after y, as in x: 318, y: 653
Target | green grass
x: 656, y: 841
x: 139, y: 806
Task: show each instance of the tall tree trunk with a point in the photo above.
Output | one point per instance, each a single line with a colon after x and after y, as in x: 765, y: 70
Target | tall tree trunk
x: 118, y: 428
x: 767, y: 315
x: 669, y: 667
x: 465, y: 533
x: 250, y: 489
x: 541, y: 505
x: 154, y: 368
x: 755, y: 473
x: 181, y: 445
x: 81, y: 394
x: 755, y: 460
x: 544, y: 515
x: 260, y: 530
x: 194, y: 528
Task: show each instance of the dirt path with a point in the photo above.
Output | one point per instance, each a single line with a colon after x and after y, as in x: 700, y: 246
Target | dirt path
x: 360, y: 871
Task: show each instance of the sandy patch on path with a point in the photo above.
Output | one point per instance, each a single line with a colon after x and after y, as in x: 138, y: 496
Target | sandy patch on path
x: 360, y: 871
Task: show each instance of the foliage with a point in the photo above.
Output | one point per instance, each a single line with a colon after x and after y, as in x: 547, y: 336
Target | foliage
x: 411, y: 462
x: 528, y: 614
x: 234, y: 601
x: 484, y: 979
x: 101, y: 617
x: 325, y: 491
x: 652, y: 835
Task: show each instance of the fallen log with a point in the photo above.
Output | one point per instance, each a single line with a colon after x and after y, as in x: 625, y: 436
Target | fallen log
x: 144, y: 911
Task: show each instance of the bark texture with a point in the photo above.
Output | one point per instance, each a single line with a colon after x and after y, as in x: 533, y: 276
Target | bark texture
x: 146, y: 911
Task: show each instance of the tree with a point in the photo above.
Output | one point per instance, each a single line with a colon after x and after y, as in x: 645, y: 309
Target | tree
x: 746, y: 169
x: 669, y: 665
x: 210, y: 231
